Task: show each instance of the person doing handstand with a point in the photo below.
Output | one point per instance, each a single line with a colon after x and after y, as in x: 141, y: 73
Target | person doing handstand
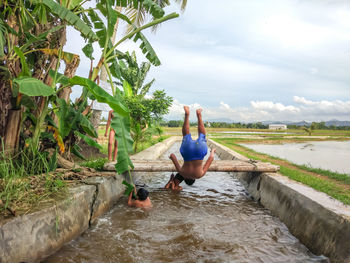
x: 142, y: 200
x: 192, y: 152
x: 111, y: 139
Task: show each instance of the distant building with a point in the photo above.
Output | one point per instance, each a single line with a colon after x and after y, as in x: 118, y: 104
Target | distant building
x: 278, y: 127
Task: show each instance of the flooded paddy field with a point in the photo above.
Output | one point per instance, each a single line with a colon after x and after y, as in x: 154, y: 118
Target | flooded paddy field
x: 215, y: 220
x: 328, y: 155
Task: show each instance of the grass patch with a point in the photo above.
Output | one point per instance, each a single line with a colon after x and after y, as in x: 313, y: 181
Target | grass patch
x: 154, y: 140
x: 25, y: 182
x: 96, y: 164
x: 335, y: 184
x: 333, y: 175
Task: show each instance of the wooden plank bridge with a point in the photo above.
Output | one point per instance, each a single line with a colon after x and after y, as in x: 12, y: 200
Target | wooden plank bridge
x: 216, y: 166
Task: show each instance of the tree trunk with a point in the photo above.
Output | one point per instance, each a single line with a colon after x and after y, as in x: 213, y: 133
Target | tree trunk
x: 5, y: 104
x: 12, y: 131
x: 96, y: 114
x: 69, y: 72
x: 96, y: 118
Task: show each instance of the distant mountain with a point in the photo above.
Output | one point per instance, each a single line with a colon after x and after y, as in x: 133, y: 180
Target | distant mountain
x: 298, y: 123
x: 305, y: 123
x: 337, y: 123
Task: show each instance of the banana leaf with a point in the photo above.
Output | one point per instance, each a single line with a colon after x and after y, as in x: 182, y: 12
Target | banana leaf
x: 87, y: 126
x: 129, y: 188
x: 121, y: 125
x: 100, y: 94
x: 147, y: 49
x: 33, y: 87
x: 88, y: 50
x: 3, y: 35
x: 25, y: 69
x: 32, y: 38
x: 88, y: 140
x: 77, y: 151
x: 70, y: 17
x: 153, y: 8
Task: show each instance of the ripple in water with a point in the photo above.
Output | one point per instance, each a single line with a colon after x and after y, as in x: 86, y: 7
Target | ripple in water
x: 214, y: 220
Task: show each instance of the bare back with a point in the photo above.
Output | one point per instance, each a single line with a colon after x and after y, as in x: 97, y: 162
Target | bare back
x: 192, y: 169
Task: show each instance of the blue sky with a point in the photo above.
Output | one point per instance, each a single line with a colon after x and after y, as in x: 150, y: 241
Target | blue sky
x: 251, y: 60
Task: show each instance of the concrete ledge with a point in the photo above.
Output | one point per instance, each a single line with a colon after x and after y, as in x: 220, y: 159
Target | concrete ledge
x: 32, y: 237
x: 224, y: 152
x: 317, y: 220
x: 108, y: 191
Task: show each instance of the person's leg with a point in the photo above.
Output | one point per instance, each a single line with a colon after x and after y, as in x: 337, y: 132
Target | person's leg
x: 201, y: 128
x: 115, y: 149
x: 186, y: 126
x: 110, y: 143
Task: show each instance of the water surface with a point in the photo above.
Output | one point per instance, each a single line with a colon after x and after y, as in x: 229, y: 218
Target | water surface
x: 215, y: 220
x: 329, y: 155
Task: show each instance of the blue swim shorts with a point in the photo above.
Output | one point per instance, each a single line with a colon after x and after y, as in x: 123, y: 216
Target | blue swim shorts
x: 193, y: 150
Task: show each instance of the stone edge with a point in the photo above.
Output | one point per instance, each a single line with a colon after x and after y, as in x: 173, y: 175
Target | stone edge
x: 35, y: 236
x: 317, y: 220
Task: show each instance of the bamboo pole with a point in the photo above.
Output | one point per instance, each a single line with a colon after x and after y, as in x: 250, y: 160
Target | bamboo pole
x: 216, y: 166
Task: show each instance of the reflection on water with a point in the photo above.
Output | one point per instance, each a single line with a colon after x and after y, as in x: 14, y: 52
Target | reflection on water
x: 214, y: 220
x: 329, y: 155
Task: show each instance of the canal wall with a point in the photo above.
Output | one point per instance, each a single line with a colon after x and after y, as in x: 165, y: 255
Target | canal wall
x: 34, y: 236
x: 317, y: 220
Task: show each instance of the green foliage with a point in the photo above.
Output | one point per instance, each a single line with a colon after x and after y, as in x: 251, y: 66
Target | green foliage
x: 88, y: 140
x: 121, y: 125
x: 100, y: 94
x: 33, y: 87
x: 95, y: 164
x: 147, y: 49
x: 66, y: 15
x: 129, y: 188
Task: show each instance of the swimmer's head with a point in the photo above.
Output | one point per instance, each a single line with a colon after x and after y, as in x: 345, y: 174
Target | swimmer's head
x: 142, y: 194
x: 190, y: 181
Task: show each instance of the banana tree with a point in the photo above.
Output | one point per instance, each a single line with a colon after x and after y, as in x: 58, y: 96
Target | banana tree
x: 110, y: 57
x: 26, y: 26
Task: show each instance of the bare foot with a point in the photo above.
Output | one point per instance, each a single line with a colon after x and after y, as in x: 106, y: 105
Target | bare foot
x: 199, y: 111
x: 187, y: 110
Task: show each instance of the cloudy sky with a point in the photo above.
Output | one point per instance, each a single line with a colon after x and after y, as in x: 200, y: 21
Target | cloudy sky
x: 252, y: 60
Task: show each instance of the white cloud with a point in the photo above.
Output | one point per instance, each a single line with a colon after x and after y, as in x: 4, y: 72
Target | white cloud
x: 270, y: 106
x: 224, y: 106
x: 273, y: 111
x: 325, y: 107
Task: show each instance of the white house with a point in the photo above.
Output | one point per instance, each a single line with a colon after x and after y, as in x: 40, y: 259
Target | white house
x: 278, y: 127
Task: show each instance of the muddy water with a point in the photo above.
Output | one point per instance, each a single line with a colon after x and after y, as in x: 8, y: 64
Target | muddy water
x: 329, y: 155
x: 215, y: 220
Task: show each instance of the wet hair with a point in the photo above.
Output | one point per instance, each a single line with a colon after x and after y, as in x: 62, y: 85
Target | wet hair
x: 179, y: 177
x: 142, y: 194
x: 190, y: 181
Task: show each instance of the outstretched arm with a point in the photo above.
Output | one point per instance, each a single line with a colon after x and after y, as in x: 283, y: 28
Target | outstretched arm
x: 108, y: 121
x: 175, y: 162
x: 170, y: 183
x: 130, y: 201
x: 209, y: 161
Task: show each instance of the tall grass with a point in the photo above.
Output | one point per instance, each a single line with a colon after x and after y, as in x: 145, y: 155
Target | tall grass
x: 25, y: 181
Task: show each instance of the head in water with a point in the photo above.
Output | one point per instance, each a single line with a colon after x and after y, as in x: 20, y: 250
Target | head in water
x: 142, y: 194
x: 190, y: 181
